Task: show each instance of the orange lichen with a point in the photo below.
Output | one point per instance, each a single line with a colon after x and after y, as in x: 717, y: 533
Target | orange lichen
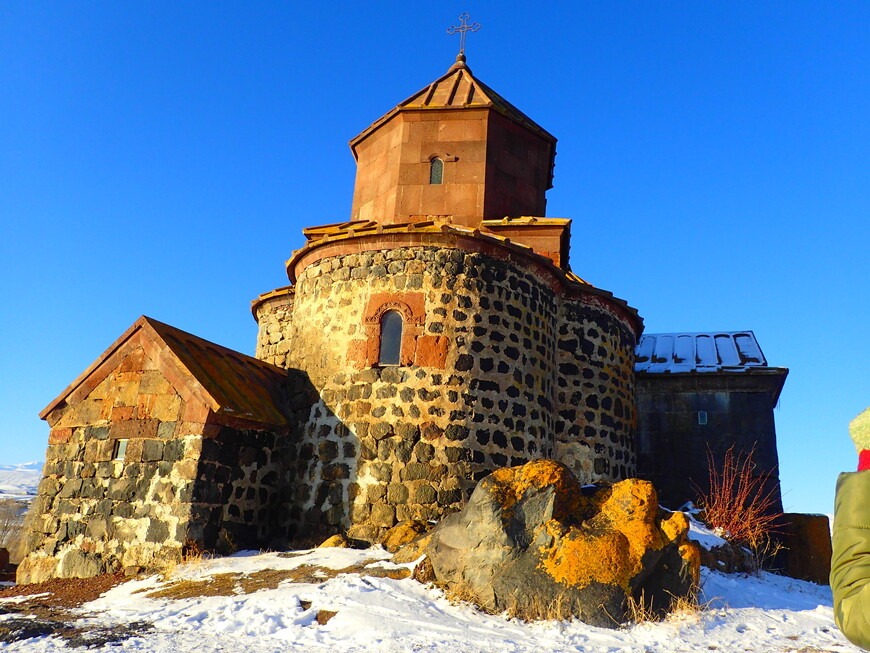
x: 510, y: 484
x: 599, y: 538
x: 675, y: 527
x: 579, y: 558
x: 690, y: 552
x: 609, y: 547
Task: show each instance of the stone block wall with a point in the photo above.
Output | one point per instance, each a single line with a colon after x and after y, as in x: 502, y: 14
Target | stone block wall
x: 684, y: 417
x: 595, y: 428
x: 183, y: 481
x: 478, y: 388
x: 274, y: 312
x: 241, y: 498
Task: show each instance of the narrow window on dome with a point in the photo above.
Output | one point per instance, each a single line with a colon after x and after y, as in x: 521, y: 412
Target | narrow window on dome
x: 436, y: 171
x: 391, y: 338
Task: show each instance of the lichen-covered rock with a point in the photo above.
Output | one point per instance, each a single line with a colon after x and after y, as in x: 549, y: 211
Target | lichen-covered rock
x: 403, y: 533
x: 535, y: 542
x: 413, y: 550
x: 338, y: 541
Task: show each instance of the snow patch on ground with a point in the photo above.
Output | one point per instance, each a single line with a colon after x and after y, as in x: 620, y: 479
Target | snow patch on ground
x: 743, y: 613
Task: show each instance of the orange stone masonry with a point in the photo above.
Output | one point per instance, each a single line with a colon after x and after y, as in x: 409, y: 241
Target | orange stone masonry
x: 497, y: 161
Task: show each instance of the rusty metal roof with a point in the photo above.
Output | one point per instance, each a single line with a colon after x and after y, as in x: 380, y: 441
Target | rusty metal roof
x: 230, y: 383
x: 241, y: 386
x: 715, y: 351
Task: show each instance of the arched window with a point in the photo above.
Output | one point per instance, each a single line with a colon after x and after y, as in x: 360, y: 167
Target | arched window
x: 436, y: 171
x: 391, y: 338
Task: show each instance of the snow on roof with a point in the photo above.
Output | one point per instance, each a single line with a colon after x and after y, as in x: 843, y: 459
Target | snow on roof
x: 716, y: 351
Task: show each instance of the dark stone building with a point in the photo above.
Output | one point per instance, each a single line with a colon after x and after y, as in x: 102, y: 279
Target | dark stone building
x: 700, y: 394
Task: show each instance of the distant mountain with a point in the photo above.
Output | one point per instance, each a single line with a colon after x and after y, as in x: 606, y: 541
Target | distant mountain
x: 20, y: 481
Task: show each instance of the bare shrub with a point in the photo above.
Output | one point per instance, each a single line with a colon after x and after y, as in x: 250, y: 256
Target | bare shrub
x: 739, y: 504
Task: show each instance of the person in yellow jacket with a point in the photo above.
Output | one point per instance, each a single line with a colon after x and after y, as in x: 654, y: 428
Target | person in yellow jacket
x: 850, y: 565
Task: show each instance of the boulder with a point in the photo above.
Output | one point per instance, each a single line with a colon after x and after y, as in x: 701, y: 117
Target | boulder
x: 536, y: 543
x: 338, y: 541
x: 403, y: 533
x: 36, y: 569
x: 729, y: 558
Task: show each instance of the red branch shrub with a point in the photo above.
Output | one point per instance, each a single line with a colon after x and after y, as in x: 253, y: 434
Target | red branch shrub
x: 739, y: 502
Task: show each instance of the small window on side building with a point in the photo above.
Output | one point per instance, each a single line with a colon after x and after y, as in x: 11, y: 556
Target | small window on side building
x: 120, y: 449
x: 436, y: 171
x: 391, y: 339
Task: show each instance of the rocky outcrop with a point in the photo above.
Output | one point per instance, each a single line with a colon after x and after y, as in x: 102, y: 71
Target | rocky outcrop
x: 403, y: 533
x: 534, y: 542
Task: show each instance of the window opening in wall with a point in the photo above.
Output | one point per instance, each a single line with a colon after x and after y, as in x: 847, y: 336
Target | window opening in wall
x: 120, y: 449
x: 702, y: 417
x: 391, y: 338
x: 436, y: 171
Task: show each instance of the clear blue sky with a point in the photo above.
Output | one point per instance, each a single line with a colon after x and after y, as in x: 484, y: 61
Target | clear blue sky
x: 161, y: 158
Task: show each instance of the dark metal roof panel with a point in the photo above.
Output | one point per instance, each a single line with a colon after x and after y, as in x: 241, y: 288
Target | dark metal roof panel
x: 715, y: 351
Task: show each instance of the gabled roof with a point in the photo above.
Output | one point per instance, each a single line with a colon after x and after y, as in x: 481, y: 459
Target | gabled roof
x: 457, y: 89
x: 714, y: 351
x: 227, y: 382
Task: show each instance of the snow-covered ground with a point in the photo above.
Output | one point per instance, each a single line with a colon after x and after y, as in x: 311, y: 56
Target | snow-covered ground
x: 744, y: 613
x: 19, y: 481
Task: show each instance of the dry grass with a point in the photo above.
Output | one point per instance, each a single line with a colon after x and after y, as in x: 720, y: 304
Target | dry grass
x: 640, y: 609
x: 229, y: 584
x: 191, y: 555
x: 739, y: 504
x: 323, y: 616
x: 535, y: 608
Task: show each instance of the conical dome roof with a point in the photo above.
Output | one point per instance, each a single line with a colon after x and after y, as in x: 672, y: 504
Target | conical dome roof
x: 457, y: 89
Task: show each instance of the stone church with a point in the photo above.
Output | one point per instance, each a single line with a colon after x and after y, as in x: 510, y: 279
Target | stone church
x: 435, y: 336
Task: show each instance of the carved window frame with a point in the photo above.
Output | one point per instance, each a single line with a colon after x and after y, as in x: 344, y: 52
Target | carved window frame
x: 394, y: 355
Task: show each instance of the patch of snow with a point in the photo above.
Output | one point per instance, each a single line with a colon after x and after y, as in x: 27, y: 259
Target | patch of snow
x: 743, y: 613
x: 20, y: 481
x: 704, y: 536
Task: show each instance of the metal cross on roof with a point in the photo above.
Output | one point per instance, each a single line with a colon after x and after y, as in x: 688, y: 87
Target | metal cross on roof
x: 462, y: 29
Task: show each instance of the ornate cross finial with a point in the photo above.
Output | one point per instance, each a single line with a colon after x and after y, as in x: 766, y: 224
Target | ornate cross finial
x: 462, y: 29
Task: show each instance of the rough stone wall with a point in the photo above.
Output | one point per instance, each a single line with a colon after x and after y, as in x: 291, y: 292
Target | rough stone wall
x: 93, y: 513
x: 181, y: 482
x: 596, y: 403
x: 274, y: 315
x: 241, y: 498
x: 409, y: 441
